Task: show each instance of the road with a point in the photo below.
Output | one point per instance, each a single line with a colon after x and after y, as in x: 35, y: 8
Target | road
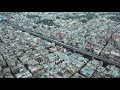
x: 62, y: 44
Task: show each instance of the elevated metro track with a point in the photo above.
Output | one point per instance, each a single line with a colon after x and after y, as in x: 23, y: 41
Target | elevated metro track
x: 62, y: 44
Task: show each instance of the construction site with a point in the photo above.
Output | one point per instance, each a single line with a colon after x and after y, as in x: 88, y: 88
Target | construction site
x: 59, y: 45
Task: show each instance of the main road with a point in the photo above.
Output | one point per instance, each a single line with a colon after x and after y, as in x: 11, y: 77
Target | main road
x: 62, y: 44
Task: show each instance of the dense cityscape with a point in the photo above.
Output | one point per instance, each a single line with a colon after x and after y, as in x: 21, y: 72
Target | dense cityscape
x: 59, y: 44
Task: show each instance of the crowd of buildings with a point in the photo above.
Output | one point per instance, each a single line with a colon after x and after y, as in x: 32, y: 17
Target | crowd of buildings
x: 25, y: 56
